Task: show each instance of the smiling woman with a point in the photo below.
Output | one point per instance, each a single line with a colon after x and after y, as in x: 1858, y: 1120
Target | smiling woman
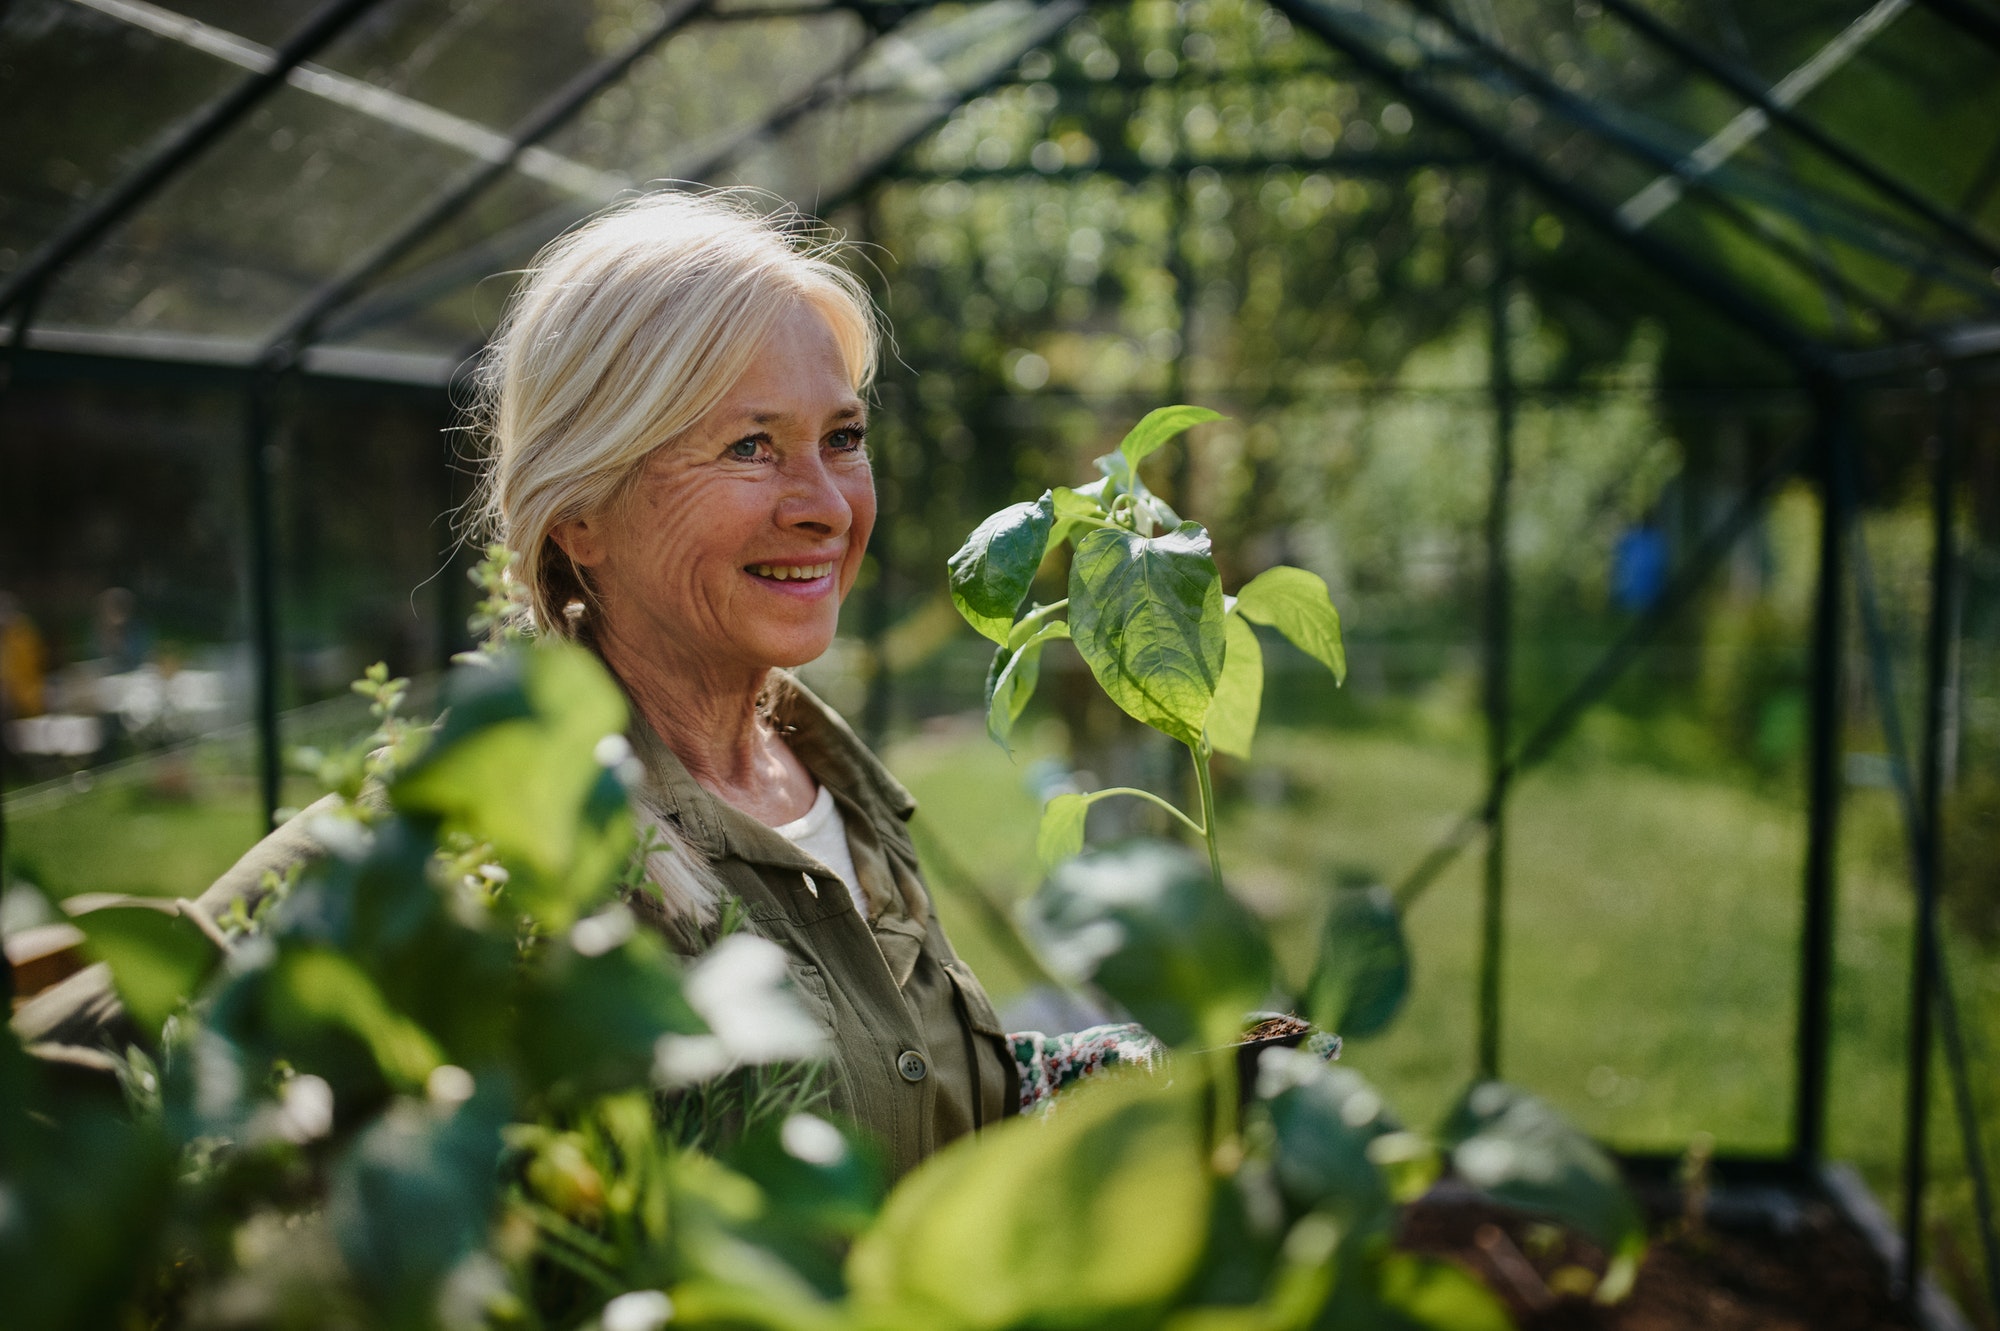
x: 676, y: 412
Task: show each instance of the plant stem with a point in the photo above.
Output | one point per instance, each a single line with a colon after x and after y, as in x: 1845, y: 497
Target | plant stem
x: 1206, y: 781
x: 1031, y: 621
x: 1188, y: 822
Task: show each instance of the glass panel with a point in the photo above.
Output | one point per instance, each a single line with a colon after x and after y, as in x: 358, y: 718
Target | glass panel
x: 327, y: 169
x: 138, y: 83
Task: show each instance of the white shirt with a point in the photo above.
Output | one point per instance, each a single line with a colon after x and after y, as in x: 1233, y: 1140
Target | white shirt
x: 822, y: 834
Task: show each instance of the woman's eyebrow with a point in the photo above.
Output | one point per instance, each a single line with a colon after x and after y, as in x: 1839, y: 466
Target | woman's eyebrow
x: 854, y: 410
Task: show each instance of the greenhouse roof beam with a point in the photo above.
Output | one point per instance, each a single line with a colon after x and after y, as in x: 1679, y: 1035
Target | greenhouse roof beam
x: 1781, y: 113
x: 299, y: 326
x: 24, y: 287
x: 1713, y: 288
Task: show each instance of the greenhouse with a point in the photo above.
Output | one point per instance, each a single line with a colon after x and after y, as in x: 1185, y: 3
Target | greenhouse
x: 1628, y: 372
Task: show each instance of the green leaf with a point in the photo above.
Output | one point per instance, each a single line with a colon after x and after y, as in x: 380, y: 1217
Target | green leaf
x: 517, y: 765
x: 1324, y: 1119
x: 1010, y: 683
x: 157, y: 958
x: 1158, y: 426
x: 414, y: 1195
x: 1094, y: 1217
x: 1521, y: 1151
x: 589, y: 1025
x: 1239, y: 695
x: 1076, y: 510
x: 1363, y: 972
x: 313, y: 990
x: 1146, y: 923
x: 1146, y: 615
x: 1061, y: 832
x: 992, y: 571
x: 1296, y: 603
x: 1397, y: 1291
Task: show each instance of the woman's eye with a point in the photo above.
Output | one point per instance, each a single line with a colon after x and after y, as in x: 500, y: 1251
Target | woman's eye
x: 746, y: 450
x: 849, y: 439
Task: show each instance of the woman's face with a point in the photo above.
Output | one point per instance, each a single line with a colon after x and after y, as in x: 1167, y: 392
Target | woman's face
x: 737, y: 543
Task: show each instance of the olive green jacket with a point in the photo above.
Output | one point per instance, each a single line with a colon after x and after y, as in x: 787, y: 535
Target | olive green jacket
x: 919, y: 1058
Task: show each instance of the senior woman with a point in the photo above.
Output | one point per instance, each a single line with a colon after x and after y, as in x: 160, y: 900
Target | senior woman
x: 679, y: 466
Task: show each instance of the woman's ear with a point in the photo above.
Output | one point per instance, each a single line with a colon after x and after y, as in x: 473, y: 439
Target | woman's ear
x: 582, y: 539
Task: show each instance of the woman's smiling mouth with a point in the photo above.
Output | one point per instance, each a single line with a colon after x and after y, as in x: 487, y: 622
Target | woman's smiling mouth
x: 790, y: 572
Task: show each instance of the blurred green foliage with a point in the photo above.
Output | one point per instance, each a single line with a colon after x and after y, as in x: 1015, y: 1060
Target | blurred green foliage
x: 425, y: 1087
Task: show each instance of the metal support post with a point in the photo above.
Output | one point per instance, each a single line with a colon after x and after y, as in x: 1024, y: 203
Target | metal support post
x: 1926, y: 857
x: 260, y: 457
x: 1823, y: 791
x: 1499, y: 631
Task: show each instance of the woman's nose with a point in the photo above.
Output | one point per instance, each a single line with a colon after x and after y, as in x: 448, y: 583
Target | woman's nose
x: 813, y: 499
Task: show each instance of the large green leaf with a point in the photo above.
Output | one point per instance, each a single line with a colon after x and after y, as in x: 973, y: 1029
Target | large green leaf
x: 314, y: 993
x: 1147, y: 924
x: 1296, y: 603
x: 992, y: 571
x: 157, y: 957
x: 1095, y: 1217
x: 1146, y: 615
x: 1158, y: 426
x: 1239, y: 695
x: 1363, y: 972
x: 1324, y: 1119
x: 1520, y: 1150
x: 1398, y: 1291
x: 1010, y: 682
x: 518, y: 764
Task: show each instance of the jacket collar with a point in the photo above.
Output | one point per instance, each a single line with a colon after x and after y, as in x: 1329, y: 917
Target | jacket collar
x: 821, y: 740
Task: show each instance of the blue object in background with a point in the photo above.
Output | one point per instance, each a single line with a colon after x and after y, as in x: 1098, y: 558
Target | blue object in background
x: 1639, y: 569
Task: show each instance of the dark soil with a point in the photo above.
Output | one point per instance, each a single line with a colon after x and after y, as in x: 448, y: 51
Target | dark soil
x: 1796, y: 1265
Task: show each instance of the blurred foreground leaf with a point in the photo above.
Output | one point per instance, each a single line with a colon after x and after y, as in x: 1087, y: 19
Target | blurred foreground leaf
x: 1363, y: 971
x: 1522, y: 1151
x: 1147, y: 924
x: 1093, y: 1217
x: 157, y: 958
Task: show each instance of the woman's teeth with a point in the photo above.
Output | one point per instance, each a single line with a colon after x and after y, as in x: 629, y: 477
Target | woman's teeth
x: 792, y: 572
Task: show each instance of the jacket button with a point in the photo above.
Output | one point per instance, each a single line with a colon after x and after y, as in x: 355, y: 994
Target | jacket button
x: 912, y: 1065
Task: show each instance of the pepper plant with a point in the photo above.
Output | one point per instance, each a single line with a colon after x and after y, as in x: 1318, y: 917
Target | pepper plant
x: 1147, y: 613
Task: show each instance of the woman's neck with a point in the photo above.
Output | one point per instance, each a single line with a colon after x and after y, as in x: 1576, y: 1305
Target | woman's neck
x: 709, y: 718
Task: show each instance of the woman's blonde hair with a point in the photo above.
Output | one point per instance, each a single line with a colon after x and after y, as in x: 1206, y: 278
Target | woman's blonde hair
x: 625, y: 332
